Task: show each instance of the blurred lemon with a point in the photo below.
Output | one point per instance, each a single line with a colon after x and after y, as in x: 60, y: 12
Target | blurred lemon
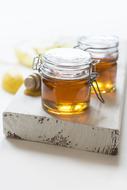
x: 26, y: 52
x: 24, y: 58
x: 12, y: 80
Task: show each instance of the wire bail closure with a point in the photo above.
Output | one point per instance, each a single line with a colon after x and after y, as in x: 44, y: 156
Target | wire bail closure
x: 95, y: 88
x: 37, y: 62
x: 93, y: 77
x: 77, y: 46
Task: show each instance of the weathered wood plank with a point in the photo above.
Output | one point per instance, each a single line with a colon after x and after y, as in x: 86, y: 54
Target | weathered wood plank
x: 97, y: 130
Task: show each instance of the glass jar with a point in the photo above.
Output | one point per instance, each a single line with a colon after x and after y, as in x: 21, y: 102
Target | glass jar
x: 65, y: 80
x: 104, y: 50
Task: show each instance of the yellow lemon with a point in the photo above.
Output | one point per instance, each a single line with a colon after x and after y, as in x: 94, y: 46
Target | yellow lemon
x: 24, y: 58
x: 12, y: 80
x: 26, y: 54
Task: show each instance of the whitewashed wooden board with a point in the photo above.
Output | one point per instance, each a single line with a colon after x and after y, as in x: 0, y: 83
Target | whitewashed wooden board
x: 97, y: 130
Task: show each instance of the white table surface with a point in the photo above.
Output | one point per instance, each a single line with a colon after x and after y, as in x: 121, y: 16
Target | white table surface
x: 35, y: 166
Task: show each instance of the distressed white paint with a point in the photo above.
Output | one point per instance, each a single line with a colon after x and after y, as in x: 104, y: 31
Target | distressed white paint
x: 97, y: 130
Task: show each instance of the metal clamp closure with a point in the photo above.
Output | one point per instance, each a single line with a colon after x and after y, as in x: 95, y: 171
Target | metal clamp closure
x: 95, y: 86
x: 37, y: 63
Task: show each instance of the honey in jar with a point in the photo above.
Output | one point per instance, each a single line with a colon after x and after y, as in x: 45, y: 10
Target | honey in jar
x: 65, y: 81
x: 104, y: 50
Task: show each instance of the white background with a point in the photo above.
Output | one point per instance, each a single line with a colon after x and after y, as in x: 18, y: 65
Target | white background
x: 34, y: 166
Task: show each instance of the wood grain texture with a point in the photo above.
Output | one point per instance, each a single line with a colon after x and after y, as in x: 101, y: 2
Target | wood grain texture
x: 97, y: 130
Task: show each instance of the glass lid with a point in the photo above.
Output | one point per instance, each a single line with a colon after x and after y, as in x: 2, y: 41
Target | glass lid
x: 66, y: 63
x: 99, y: 41
x: 67, y: 57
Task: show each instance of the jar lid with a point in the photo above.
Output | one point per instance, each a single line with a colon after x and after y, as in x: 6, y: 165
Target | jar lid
x: 66, y: 63
x: 99, y: 42
x: 67, y: 57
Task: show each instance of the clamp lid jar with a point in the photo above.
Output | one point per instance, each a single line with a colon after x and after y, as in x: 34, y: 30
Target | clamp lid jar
x: 100, y: 46
x: 104, y: 49
x: 65, y: 80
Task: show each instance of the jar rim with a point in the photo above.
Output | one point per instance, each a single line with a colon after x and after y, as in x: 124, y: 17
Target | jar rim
x: 99, y: 41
